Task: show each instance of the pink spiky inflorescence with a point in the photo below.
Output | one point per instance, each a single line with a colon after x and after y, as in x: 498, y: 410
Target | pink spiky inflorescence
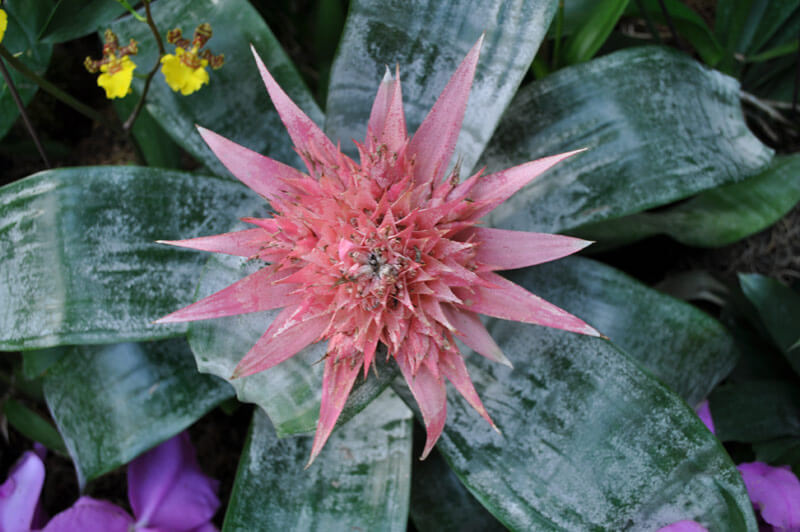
x: 386, y: 251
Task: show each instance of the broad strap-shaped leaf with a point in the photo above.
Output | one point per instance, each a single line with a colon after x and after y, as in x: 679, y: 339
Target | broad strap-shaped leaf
x: 78, y: 254
x: 71, y: 19
x: 685, y: 348
x: 290, y: 392
x: 756, y: 410
x: 25, y: 19
x: 589, y: 441
x: 111, y: 403
x: 778, y: 309
x: 713, y: 218
x: 234, y: 103
x: 428, y: 39
x: 360, y: 481
x: 659, y: 127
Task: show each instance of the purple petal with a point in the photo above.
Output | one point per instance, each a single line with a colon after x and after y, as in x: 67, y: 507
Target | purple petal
x: 775, y: 491
x: 90, y: 515
x: 19, y: 494
x: 704, y: 413
x: 168, y: 490
x: 684, y: 526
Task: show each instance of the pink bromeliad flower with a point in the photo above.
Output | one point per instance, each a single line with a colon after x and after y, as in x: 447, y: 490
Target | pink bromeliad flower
x: 386, y: 251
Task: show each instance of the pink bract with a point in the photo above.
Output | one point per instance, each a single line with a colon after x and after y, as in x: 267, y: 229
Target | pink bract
x: 386, y: 251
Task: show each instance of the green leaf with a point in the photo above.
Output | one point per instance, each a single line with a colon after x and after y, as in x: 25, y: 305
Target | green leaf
x: 35, y: 363
x: 112, y: 403
x: 779, y: 310
x: 234, y: 103
x: 289, y: 392
x: 360, y: 481
x: 33, y: 426
x: 78, y: 255
x: 25, y: 19
x: 782, y: 451
x: 690, y: 26
x: 684, y: 347
x: 441, y: 503
x: 755, y: 411
x: 71, y: 19
x: 588, y: 442
x: 589, y: 37
x: 659, y: 127
x: 713, y: 218
x: 428, y: 40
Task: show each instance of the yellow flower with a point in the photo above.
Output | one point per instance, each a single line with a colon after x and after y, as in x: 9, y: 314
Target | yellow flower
x: 186, y: 70
x: 3, y: 24
x: 180, y: 75
x: 116, y: 77
x: 116, y: 67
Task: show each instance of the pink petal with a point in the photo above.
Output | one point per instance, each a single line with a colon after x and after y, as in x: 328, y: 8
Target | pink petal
x: 507, y: 250
x: 704, y: 413
x: 472, y: 332
x: 168, y: 490
x: 451, y: 364
x: 683, y: 526
x: 306, y: 135
x: 91, y: 515
x: 435, y: 140
x: 429, y: 392
x: 775, y: 491
x: 256, y: 292
x: 19, y: 494
x: 262, y: 174
x: 245, y: 243
x: 387, y: 120
x: 495, y: 188
x: 282, y: 339
x: 336, y: 385
x: 510, y: 301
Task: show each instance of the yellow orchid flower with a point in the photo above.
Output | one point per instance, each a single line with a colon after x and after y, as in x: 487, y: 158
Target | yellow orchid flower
x: 116, y: 67
x: 185, y: 70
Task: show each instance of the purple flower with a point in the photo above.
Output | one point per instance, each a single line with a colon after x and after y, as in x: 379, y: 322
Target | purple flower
x: 19, y: 494
x: 775, y: 491
x: 704, y: 413
x: 166, y: 488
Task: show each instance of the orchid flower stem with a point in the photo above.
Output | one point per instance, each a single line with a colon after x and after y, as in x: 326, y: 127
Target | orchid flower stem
x: 53, y: 90
x: 161, y: 51
x: 17, y: 100
x: 651, y: 26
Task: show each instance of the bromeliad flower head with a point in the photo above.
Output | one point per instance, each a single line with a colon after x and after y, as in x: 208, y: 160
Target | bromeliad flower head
x: 116, y: 67
x: 388, y: 250
x: 185, y: 71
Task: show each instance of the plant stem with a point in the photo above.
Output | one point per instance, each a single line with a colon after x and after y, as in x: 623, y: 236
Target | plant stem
x: 52, y: 89
x: 28, y: 125
x: 796, y: 82
x: 161, y: 51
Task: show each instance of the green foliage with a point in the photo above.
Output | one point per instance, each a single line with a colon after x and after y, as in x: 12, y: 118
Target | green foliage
x: 25, y: 19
